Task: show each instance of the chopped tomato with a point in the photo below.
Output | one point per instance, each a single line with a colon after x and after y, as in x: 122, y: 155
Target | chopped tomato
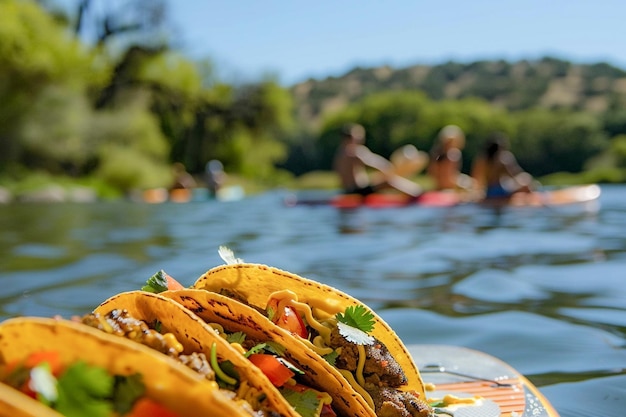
x: 289, y: 319
x: 273, y: 369
x: 172, y: 284
x: 50, y: 357
x: 327, y: 411
x: 31, y: 361
x: 146, y: 407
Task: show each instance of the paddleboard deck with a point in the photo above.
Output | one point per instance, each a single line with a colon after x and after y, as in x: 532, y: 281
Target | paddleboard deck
x: 467, y: 373
x: 547, y: 198
x: 186, y: 195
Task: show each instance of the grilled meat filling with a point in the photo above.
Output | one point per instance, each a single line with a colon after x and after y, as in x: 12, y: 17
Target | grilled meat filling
x: 394, y: 403
x: 380, y: 369
x: 120, y: 323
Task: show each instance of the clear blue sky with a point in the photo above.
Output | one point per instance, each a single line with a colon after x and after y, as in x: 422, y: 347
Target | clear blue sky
x: 294, y: 40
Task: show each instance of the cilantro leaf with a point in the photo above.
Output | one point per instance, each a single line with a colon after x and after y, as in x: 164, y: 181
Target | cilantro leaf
x: 275, y: 348
x: 17, y: 377
x: 306, y: 403
x: 354, y: 335
x: 358, y: 317
x: 156, y: 283
x: 237, y: 337
x: 255, y: 349
x: 331, y: 357
x: 355, y: 323
x: 127, y: 390
x: 84, y: 390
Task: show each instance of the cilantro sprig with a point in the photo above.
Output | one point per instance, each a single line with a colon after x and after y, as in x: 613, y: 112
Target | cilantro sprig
x: 86, y: 390
x: 358, y: 317
x: 81, y: 389
x: 355, y: 324
x: 157, y: 283
x: 306, y: 403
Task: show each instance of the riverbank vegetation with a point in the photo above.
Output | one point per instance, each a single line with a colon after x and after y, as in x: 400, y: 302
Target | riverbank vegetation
x: 100, y: 98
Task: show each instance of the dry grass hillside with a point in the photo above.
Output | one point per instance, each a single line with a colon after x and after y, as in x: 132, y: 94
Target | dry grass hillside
x: 548, y: 83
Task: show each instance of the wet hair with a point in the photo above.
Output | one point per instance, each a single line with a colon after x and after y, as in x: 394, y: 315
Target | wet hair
x: 353, y: 130
x: 452, y: 132
x: 495, y: 143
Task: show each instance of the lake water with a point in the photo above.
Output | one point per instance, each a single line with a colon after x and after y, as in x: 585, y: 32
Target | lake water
x: 543, y: 289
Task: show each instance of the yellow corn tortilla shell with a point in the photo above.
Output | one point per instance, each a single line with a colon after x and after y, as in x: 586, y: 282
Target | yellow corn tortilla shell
x: 235, y: 316
x: 168, y: 382
x: 14, y: 403
x: 256, y: 282
x: 195, y: 336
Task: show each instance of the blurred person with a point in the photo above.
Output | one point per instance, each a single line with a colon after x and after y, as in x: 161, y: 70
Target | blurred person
x: 182, y: 179
x: 497, y: 172
x: 446, y: 160
x: 351, y: 163
x: 214, y: 176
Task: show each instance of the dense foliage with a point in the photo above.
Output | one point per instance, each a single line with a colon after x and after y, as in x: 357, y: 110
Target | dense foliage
x: 123, y: 109
x: 101, y: 93
x: 560, y: 117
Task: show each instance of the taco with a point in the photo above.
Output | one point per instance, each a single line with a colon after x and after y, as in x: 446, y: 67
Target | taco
x: 14, y: 403
x: 336, y: 327
x: 80, y: 371
x: 259, y: 381
x: 230, y: 317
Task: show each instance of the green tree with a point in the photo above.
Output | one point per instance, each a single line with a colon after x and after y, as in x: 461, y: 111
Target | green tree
x: 128, y: 22
x: 130, y: 147
x: 36, y: 54
x: 393, y: 119
x: 552, y: 141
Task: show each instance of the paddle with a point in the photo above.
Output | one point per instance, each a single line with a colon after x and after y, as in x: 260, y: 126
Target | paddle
x: 406, y: 162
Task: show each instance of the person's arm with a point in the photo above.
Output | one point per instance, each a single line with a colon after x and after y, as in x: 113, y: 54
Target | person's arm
x: 373, y: 160
x: 515, y: 171
x: 510, y: 164
x: 479, y: 171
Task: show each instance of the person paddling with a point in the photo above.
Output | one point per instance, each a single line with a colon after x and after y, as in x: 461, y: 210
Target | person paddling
x: 497, y: 172
x: 446, y: 160
x: 353, y: 159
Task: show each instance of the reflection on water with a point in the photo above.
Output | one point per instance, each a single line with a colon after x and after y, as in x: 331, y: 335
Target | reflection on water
x: 540, y: 288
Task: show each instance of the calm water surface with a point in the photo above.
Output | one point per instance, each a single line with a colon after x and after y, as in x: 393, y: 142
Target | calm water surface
x: 543, y: 289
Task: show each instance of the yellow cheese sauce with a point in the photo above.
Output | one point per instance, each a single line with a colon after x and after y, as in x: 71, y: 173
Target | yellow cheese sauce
x: 450, y: 400
x: 321, y: 343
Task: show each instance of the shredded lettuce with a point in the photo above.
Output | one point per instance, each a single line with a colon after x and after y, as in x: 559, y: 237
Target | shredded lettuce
x: 84, y: 390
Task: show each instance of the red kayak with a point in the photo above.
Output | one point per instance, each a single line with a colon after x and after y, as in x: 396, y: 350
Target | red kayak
x: 555, y: 197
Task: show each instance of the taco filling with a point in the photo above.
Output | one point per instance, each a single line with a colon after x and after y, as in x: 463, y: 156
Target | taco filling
x: 120, y: 323
x: 267, y: 356
x: 80, y: 389
x: 343, y: 340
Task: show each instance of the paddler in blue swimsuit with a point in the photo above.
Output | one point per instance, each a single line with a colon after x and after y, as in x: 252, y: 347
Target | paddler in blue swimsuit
x: 353, y: 159
x: 497, y: 172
